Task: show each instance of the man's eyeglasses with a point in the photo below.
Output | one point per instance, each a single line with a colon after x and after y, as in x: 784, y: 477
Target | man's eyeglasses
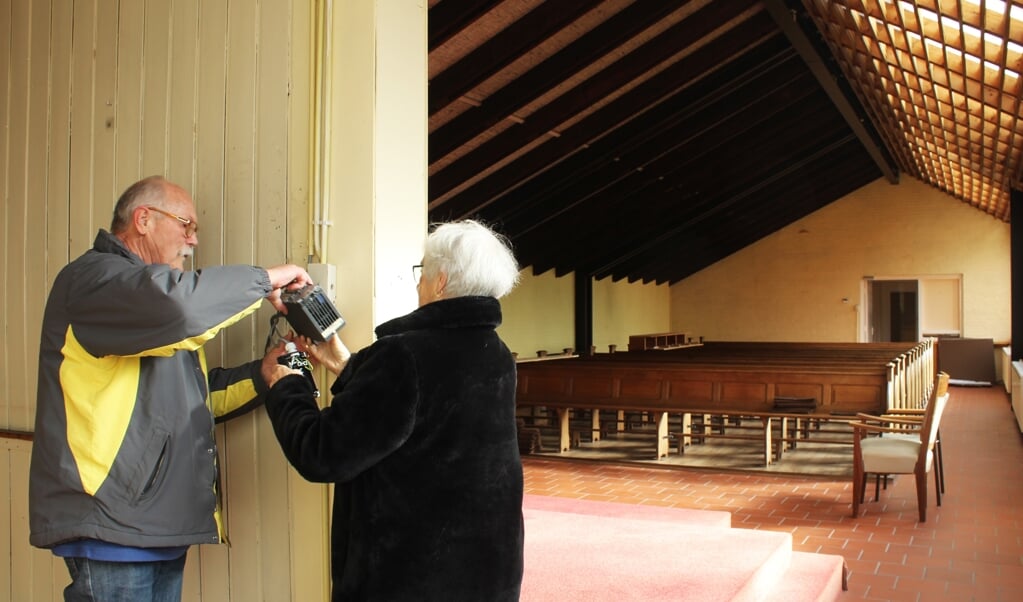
x: 417, y: 272
x: 190, y: 226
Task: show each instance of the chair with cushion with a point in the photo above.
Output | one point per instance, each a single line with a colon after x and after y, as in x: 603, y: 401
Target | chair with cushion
x: 915, y: 415
x: 901, y: 445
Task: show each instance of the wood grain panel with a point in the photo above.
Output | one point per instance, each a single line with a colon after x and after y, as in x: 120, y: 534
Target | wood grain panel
x: 789, y: 389
x: 182, y: 87
x: 156, y: 91
x: 641, y: 388
x: 593, y: 385
x: 695, y: 391
x: 131, y: 81
x: 751, y: 393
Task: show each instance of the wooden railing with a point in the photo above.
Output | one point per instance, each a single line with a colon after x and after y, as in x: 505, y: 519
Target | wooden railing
x: 8, y: 434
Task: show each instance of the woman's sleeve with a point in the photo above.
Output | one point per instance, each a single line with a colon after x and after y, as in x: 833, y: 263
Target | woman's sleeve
x: 371, y: 415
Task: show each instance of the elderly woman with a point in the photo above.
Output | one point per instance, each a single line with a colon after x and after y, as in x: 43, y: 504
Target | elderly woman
x: 420, y: 437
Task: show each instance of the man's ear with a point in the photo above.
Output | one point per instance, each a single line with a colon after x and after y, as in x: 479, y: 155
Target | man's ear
x: 141, y: 220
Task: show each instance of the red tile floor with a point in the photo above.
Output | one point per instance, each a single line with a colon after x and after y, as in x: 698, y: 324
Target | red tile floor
x: 971, y: 548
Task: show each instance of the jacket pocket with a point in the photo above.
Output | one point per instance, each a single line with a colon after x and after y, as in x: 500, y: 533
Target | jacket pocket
x: 151, y: 468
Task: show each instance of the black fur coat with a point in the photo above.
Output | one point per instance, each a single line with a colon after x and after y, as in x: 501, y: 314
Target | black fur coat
x: 420, y: 440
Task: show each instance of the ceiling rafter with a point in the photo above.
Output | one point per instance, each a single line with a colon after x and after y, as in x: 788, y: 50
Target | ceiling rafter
x: 648, y: 140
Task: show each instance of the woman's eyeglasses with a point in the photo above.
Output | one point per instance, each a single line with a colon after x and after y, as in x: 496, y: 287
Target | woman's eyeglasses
x: 417, y: 272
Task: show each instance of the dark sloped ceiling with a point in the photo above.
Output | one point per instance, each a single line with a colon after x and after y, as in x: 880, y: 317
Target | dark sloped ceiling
x: 648, y: 140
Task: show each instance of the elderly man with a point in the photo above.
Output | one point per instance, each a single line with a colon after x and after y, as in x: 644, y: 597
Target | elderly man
x: 124, y: 477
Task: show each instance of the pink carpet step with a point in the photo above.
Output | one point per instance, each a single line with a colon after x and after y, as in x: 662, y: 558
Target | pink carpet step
x: 706, y: 518
x: 585, y: 550
x: 811, y: 578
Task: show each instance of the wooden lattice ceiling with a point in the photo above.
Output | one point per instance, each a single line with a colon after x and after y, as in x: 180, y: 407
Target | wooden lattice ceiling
x: 941, y: 80
x: 649, y: 139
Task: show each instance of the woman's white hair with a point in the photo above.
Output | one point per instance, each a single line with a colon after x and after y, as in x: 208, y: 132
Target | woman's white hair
x: 477, y: 260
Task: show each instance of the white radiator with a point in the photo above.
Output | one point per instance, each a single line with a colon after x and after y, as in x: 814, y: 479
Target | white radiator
x: 1017, y: 392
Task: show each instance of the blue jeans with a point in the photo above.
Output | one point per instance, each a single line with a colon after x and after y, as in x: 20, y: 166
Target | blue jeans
x: 102, y: 581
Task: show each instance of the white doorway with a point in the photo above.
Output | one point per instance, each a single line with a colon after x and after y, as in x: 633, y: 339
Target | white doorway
x: 906, y: 309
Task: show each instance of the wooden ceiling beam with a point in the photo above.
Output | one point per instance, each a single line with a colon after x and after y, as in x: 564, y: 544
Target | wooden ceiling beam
x: 547, y: 75
x: 503, y: 49
x: 787, y: 19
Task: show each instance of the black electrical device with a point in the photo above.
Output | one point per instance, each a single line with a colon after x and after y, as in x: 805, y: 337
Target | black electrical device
x: 311, y: 314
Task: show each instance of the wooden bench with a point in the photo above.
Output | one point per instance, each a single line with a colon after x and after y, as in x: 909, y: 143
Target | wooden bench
x: 774, y: 431
x: 719, y: 378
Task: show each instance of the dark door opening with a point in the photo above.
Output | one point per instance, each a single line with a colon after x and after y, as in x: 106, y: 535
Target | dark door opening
x: 893, y: 311
x: 903, y: 317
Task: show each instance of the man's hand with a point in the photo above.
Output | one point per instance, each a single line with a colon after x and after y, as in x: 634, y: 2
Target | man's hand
x: 271, y: 370
x: 285, y: 277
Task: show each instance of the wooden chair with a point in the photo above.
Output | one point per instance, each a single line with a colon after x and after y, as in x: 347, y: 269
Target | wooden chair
x: 915, y: 415
x: 905, y: 445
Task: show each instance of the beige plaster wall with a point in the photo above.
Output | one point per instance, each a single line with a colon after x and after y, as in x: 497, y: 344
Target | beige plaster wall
x: 790, y: 286
x: 539, y: 313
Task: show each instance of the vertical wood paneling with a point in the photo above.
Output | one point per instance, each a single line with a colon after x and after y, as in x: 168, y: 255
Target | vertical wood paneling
x: 6, y: 235
x: 272, y: 82
x: 209, y: 149
x: 183, y: 100
x: 130, y: 84
x: 300, y: 133
x: 82, y: 228
x: 244, y: 517
x: 58, y: 191
x: 34, y: 285
x: 6, y: 238
x: 100, y: 93
x: 211, y: 68
x: 103, y: 126
x: 156, y: 73
x: 309, y: 503
x: 7, y: 489
x: 16, y: 218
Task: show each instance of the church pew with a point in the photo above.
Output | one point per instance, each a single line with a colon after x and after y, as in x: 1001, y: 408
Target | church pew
x: 745, y: 382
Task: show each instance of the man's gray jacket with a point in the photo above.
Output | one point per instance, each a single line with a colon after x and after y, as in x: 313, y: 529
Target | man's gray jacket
x: 123, y: 449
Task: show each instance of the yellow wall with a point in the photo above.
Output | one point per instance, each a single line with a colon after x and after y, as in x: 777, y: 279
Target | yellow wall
x: 539, y: 313
x: 790, y: 285
x: 621, y: 309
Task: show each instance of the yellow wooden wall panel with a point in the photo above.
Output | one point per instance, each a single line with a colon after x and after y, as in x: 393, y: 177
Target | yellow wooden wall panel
x: 300, y: 89
x: 58, y: 184
x: 203, y: 92
x: 272, y: 68
x: 209, y: 147
x: 33, y: 284
x: 16, y: 217
x: 8, y: 488
x: 82, y: 227
x: 183, y: 100
x: 26, y: 573
x: 309, y: 503
x: 130, y: 83
x: 6, y: 237
x: 211, y: 561
x: 103, y: 123
x: 157, y: 93
x: 242, y: 514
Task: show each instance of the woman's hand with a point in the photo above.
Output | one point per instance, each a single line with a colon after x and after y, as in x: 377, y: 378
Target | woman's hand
x: 331, y: 354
